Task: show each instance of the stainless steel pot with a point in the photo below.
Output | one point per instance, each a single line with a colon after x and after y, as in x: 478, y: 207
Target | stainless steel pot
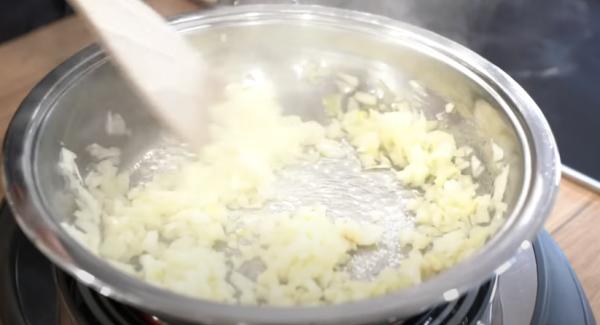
x: 70, y: 106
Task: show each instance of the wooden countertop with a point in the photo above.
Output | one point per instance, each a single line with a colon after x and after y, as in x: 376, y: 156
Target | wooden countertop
x: 25, y: 60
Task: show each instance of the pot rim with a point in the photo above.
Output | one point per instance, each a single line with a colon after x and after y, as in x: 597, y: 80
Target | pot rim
x: 541, y: 181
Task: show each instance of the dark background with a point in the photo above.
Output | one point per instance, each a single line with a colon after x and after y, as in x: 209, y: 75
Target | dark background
x: 20, y: 16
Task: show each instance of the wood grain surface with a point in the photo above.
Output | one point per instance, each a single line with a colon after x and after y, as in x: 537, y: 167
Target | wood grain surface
x: 574, y: 223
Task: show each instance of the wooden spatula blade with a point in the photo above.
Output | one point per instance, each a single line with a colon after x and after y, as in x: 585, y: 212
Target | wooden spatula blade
x: 159, y: 62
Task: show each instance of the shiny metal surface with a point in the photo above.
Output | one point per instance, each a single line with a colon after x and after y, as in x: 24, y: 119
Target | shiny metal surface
x: 515, y: 294
x: 71, y: 104
x: 581, y: 178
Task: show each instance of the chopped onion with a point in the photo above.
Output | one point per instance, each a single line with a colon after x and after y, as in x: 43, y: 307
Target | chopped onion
x: 365, y: 98
x: 167, y: 230
x: 497, y: 152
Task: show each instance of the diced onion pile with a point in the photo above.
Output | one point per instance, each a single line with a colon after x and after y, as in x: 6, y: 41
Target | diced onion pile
x: 175, y: 230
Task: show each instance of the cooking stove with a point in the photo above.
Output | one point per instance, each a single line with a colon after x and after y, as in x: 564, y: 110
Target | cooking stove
x: 539, y: 288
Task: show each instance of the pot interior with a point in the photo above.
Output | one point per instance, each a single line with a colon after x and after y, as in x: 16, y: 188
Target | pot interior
x: 283, y: 52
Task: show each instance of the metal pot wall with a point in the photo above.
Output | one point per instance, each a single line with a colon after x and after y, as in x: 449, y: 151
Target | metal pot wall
x: 70, y: 106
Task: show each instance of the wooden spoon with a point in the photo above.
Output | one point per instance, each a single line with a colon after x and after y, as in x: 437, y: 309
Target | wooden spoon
x: 160, y: 64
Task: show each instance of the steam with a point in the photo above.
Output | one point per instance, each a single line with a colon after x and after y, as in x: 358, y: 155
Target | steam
x: 455, y: 19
